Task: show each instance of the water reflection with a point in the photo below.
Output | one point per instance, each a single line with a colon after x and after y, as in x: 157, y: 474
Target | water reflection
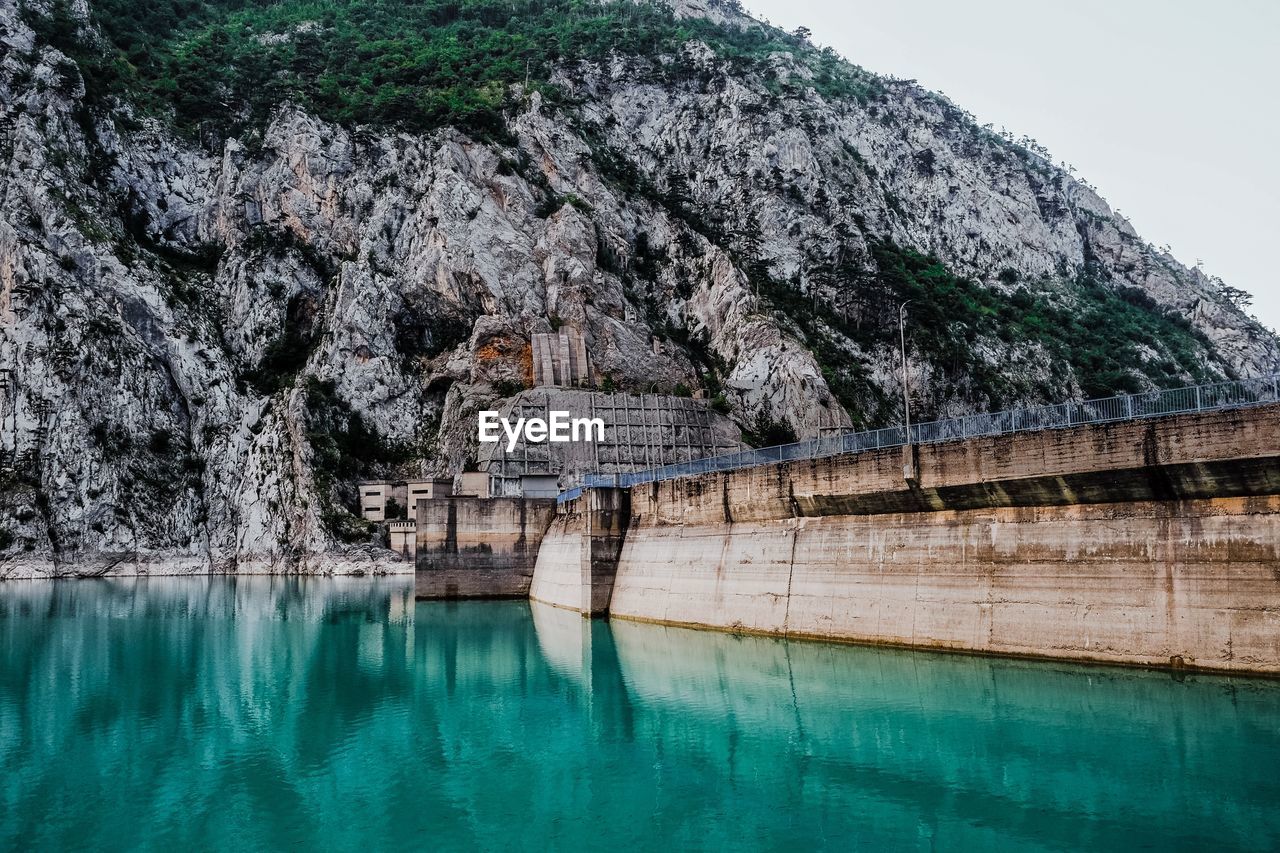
x: 979, y: 752
x: 265, y: 712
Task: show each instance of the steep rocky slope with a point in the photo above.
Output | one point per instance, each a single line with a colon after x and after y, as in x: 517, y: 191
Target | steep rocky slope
x: 212, y: 333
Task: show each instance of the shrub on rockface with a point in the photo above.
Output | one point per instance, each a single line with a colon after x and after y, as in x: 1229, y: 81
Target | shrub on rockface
x: 766, y: 432
x: 345, y: 450
x: 1099, y: 336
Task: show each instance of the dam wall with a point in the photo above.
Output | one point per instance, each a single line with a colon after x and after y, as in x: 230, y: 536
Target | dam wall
x: 1151, y: 542
x: 469, y: 547
x: 579, y: 556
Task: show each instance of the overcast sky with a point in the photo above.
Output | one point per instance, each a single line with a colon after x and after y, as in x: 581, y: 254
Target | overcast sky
x: 1168, y: 107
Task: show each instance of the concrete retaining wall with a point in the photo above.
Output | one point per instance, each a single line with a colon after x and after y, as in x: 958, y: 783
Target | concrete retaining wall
x: 479, y: 547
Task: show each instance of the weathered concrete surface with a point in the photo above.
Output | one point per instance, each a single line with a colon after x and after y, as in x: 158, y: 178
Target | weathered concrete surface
x: 1196, y: 584
x: 1220, y: 454
x: 640, y: 430
x: 479, y: 547
x: 557, y: 576
x: 558, y: 571
x: 579, y: 555
x: 1151, y: 543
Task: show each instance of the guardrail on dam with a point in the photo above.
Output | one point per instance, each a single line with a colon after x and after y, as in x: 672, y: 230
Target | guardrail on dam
x: 1149, y: 541
x: 1210, y: 397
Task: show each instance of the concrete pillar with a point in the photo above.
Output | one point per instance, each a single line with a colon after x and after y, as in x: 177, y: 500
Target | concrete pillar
x: 583, y: 374
x: 911, y: 464
x: 570, y: 357
x: 608, y: 514
x: 564, y: 375
x: 535, y: 346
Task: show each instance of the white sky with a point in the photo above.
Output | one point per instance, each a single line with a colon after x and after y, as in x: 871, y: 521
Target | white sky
x: 1171, y: 108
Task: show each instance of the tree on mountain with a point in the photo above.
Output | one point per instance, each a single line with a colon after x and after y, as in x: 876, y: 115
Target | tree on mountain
x: 1240, y: 298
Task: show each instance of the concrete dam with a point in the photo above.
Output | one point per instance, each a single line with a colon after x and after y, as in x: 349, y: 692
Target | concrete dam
x: 1149, y: 542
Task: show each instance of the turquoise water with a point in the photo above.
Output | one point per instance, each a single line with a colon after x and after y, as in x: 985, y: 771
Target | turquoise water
x: 319, y: 713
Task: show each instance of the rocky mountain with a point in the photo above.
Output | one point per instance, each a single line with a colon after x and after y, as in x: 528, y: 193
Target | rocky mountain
x: 253, y: 252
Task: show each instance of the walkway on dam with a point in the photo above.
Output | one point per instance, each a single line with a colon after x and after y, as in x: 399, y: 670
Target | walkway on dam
x: 1215, y: 396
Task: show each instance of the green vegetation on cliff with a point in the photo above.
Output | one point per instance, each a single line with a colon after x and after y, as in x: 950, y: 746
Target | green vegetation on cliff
x: 421, y: 64
x: 1114, y: 340
x: 345, y: 449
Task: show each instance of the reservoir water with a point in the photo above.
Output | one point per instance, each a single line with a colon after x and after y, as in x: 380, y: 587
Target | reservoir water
x: 251, y: 713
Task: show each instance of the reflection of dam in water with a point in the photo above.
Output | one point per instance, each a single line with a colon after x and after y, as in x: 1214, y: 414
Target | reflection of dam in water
x: 281, y: 712
x: 1020, y: 748
x: 996, y: 750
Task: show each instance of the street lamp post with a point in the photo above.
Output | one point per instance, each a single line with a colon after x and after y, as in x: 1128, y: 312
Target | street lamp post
x: 906, y: 394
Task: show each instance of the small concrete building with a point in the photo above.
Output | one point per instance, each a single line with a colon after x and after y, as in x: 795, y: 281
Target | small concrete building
x: 404, y: 538
x: 373, y: 500
x: 374, y: 496
x: 473, y: 484
x: 437, y: 487
x: 525, y: 486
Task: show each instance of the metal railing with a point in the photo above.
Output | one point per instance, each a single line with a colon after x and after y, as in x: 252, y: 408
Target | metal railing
x: 1214, y: 396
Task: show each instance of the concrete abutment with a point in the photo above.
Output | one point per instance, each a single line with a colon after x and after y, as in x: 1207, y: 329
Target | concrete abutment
x: 471, y: 547
x: 577, y: 570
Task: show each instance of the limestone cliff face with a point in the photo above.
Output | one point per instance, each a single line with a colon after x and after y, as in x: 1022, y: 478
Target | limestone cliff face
x: 207, y: 344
